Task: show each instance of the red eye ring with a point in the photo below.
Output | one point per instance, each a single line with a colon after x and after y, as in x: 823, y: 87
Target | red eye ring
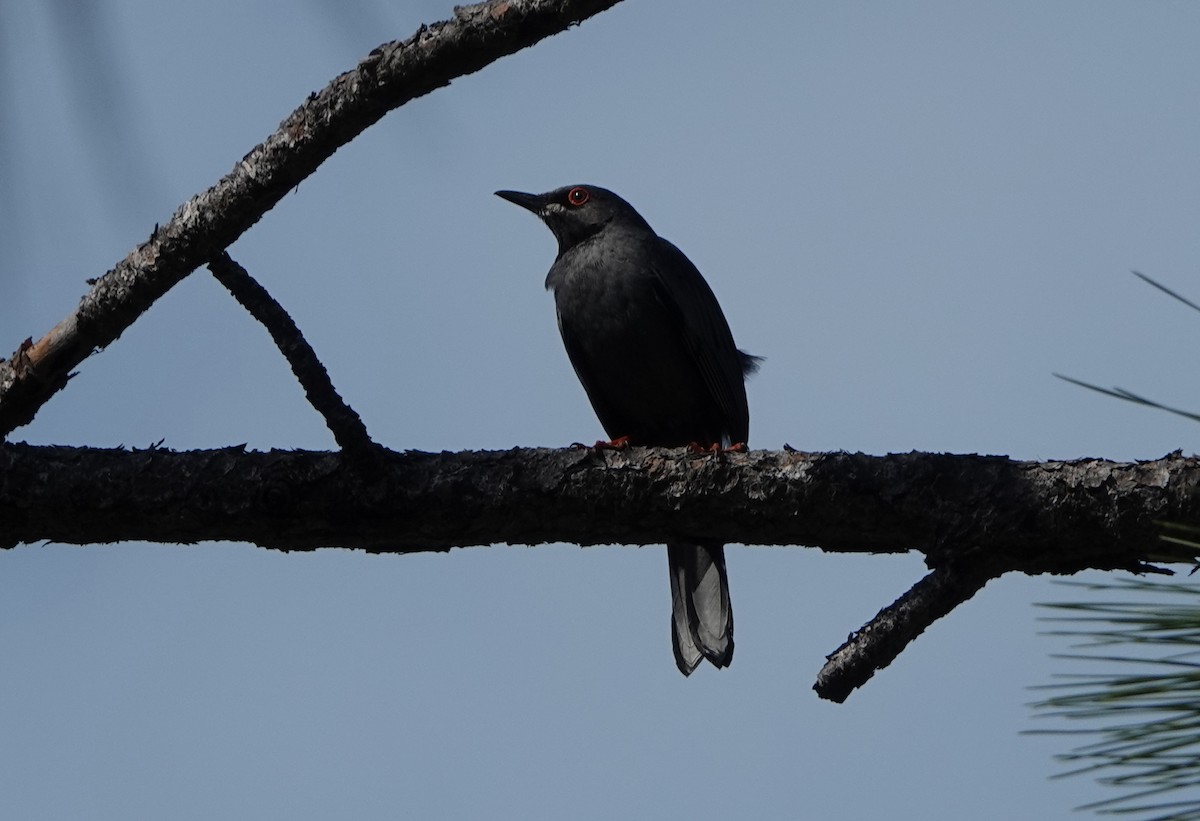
x: 577, y: 196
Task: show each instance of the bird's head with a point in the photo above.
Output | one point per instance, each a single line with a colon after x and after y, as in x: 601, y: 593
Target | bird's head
x: 577, y: 212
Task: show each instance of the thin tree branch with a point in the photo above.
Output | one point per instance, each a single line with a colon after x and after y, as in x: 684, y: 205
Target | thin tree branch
x: 877, y: 644
x: 346, y: 425
x: 390, y: 76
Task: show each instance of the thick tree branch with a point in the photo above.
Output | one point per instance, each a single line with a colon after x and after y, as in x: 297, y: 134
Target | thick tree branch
x: 974, y: 517
x: 1029, y: 516
x: 390, y: 76
x: 346, y: 426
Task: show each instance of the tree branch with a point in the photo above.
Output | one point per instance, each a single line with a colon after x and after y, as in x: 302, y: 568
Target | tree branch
x: 974, y: 517
x: 390, y: 76
x: 1033, y: 517
x: 878, y: 643
x: 346, y: 425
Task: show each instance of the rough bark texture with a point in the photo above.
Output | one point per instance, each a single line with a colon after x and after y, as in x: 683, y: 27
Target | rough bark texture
x: 1028, y: 516
x: 343, y: 422
x: 205, y: 225
x: 974, y: 517
x: 878, y: 643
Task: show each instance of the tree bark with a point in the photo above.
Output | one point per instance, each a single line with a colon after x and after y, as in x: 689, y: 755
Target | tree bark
x: 1033, y: 517
x: 974, y: 517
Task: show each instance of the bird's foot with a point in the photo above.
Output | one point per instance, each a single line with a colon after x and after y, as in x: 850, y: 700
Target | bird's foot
x: 716, y: 448
x: 620, y: 443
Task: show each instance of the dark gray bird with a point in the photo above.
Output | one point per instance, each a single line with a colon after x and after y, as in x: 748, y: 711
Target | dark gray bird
x: 656, y: 357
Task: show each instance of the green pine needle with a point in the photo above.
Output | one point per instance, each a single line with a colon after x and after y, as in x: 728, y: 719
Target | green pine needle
x: 1130, y: 396
x: 1142, y: 713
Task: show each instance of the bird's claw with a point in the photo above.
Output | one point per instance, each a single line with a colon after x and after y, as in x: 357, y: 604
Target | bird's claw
x: 715, y: 448
x: 620, y: 443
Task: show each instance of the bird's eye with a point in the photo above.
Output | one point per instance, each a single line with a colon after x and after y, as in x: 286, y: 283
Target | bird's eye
x: 577, y: 196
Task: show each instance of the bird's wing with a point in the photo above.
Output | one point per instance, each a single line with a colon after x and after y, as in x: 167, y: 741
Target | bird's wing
x: 613, y: 421
x: 689, y: 300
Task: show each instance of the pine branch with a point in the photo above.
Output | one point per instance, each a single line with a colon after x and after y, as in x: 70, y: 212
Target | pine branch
x: 1137, y: 715
x: 881, y: 640
x: 1032, y: 517
x: 973, y: 517
x: 343, y: 422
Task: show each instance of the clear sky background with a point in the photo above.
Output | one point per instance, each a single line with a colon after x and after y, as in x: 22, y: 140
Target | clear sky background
x: 915, y: 211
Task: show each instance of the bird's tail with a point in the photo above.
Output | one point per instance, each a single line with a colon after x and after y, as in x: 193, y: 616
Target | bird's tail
x: 701, y: 616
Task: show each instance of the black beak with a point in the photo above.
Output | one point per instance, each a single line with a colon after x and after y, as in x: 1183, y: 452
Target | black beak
x: 531, y: 202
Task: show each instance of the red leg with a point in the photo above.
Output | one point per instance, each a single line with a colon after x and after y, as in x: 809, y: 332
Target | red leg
x: 715, y: 448
x: 620, y: 443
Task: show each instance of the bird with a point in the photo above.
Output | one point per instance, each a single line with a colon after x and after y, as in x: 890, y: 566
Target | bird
x: 656, y: 357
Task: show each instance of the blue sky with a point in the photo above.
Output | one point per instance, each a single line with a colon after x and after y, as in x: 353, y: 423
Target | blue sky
x: 916, y: 212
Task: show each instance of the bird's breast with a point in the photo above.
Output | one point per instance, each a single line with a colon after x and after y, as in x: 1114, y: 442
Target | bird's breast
x: 632, y: 358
